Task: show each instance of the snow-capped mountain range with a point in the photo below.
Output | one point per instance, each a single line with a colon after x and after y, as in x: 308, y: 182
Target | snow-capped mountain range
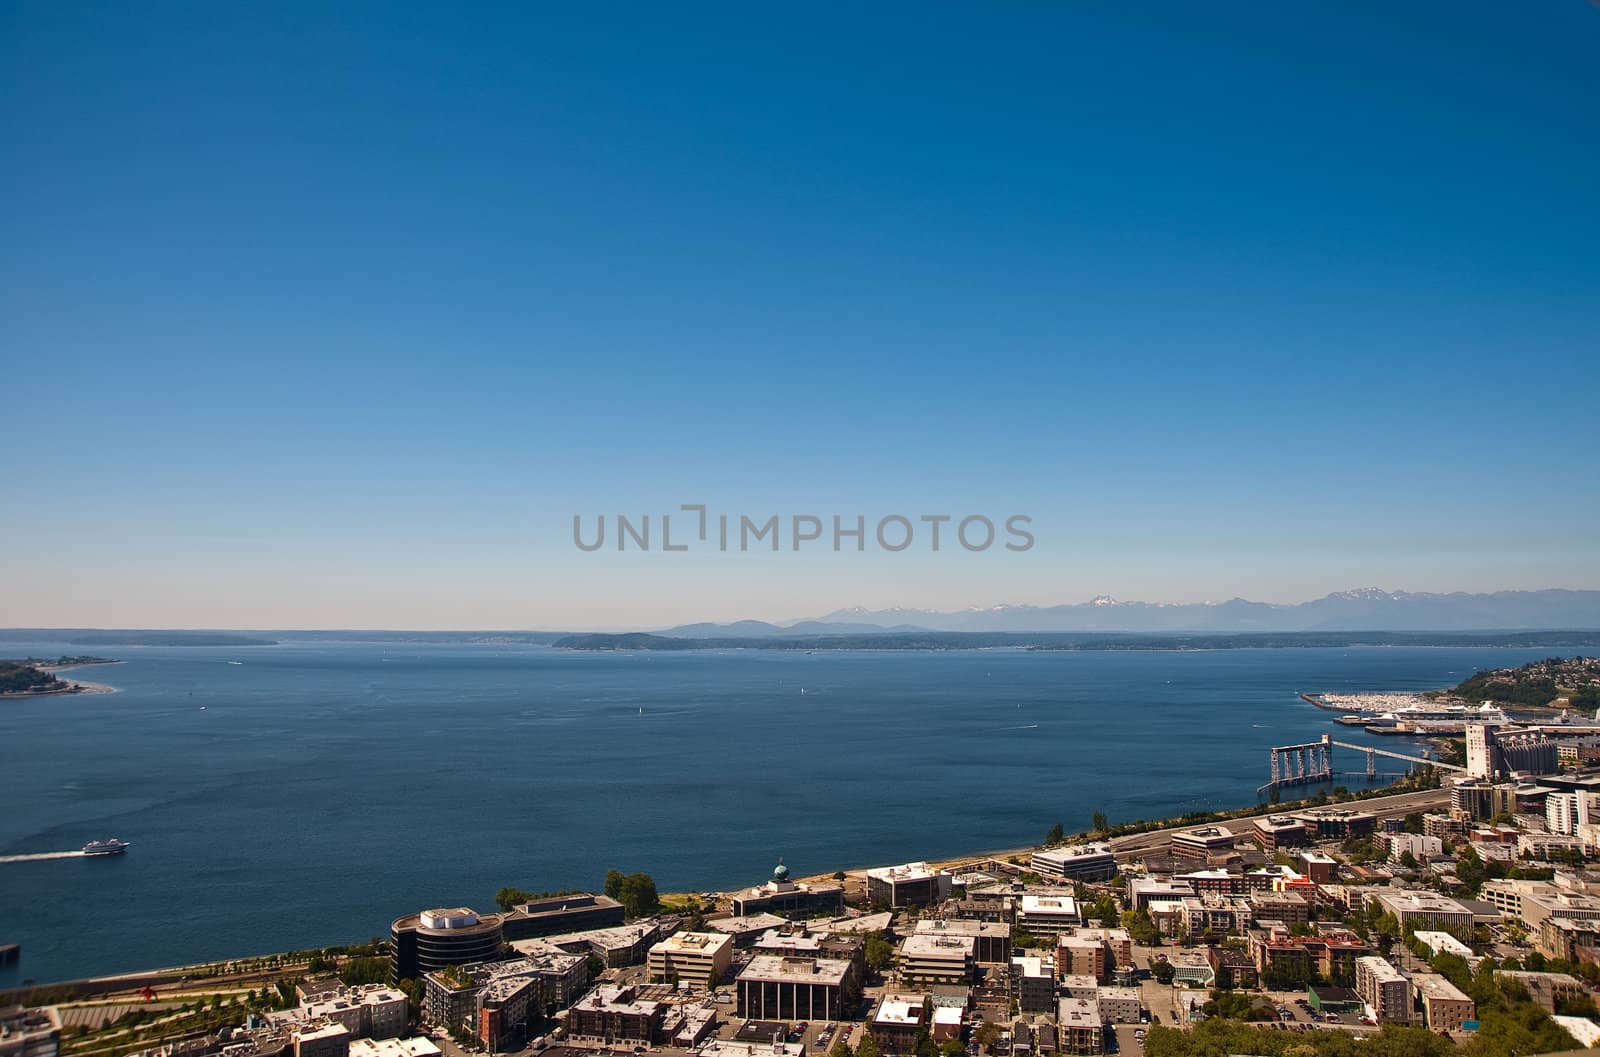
x: 1365, y: 609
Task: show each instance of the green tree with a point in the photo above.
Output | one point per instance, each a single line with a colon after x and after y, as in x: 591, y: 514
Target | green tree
x: 879, y: 953
x: 1163, y: 972
x: 866, y: 1047
x: 1055, y: 835
x: 1100, y: 824
x: 841, y: 1045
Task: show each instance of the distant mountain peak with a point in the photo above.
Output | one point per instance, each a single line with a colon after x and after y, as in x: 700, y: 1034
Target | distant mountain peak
x: 1358, y: 609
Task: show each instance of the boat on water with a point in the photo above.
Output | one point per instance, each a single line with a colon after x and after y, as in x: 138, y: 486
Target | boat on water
x: 110, y: 846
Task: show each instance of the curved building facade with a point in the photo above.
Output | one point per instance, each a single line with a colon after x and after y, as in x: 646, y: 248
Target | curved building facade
x: 434, y: 939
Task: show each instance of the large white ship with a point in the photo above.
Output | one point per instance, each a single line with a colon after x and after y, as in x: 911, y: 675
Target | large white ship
x: 110, y: 846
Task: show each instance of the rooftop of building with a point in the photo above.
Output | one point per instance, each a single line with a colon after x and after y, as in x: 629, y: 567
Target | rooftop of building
x: 418, y: 1046
x: 747, y: 923
x: 572, y: 901
x: 1068, y: 852
x: 1037, y: 904
x: 737, y: 1048
x: 1078, y: 1012
x: 929, y: 945
x: 1434, y: 986
x: 1413, y: 899
x: 900, y: 1009
x: 693, y: 943
x: 1379, y: 969
x: 962, y: 927
x: 778, y: 968
x: 911, y: 871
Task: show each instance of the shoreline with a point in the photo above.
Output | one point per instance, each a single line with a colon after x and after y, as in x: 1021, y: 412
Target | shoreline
x: 72, y: 686
x: 1126, y: 846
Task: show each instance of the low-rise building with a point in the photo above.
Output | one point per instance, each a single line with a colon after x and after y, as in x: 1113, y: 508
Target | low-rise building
x: 1561, y: 937
x: 1384, y: 990
x: 914, y: 884
x: 1277, y: 832
x: 415, y: 1046
x: 325, y: 1039
x: 1075, y: 862
x: 791, y: 898
x: 1444, y: 943
x: 1119, y: 1005
x: 897, y: 1022
x: 773, y: 987
x: 28, y: 1032
x: 1444, y: 1006
x: 691, y: 956
x: 1336, y: 823
x: 1141, y: 890
x: 1191, y: 968
x: 1545, y: 988
x: 1291, y: 908
x: 929, y: 958
x: 1040, y: 915
x: 1426, y: 910
x: 1419, y: 846
x: 992, y: 939
x: 553, y: 915
x: 612, y: 1013
x: 1320, y: 867
x: 1079, y: 1029
x: 1202, y: 843
x: 616, y: 947
x: 738, y: 1048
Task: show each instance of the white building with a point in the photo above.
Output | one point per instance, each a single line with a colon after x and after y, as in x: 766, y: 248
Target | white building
x: 1047, y: 915
x: 1422, y: 848
x: 1076, y: 862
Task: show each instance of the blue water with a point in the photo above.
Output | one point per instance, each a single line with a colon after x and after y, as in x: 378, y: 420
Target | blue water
x: 327, y: 788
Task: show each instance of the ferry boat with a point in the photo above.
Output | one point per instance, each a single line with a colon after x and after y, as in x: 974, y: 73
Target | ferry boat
x: 112, y: 846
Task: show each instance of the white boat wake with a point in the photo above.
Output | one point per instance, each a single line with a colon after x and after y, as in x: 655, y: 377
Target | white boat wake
x: 42, y: 856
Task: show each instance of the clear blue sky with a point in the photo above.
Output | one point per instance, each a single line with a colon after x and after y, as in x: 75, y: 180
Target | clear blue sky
x: 334, y: 315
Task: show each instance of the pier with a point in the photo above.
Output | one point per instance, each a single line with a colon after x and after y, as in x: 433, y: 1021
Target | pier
x: 1311, y: 763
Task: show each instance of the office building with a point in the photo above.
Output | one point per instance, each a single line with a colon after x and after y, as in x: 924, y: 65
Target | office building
x: 993, y: 939
x: 794, y: 899
x: 553, y: 915
x: 1426, y: 910
x: 1075, y: 862
x: 694, y: 957
x: 433, y: 939
x: 773, y: 987
x: 1202, y: 843
x: 1276, y: 832
x: 938, y: 958
x: 914, y: 884
x: 1336, y: 823
x: 1046, y: 916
